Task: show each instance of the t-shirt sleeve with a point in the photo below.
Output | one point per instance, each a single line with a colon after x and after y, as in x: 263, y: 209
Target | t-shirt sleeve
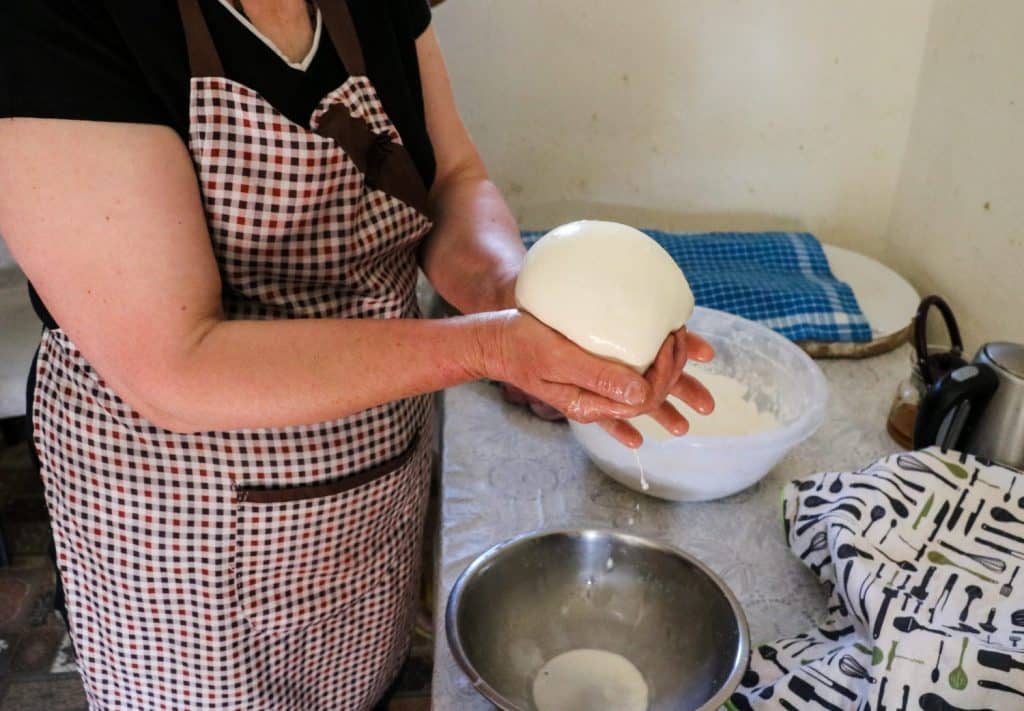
x: 413, y: 15
x: 67, y: 59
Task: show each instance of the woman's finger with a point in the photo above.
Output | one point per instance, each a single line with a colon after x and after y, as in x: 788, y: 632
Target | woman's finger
x: 622, y: 431
x: 581, y: 405
x: 612, y: 381
x: 681, y: 352
x: 670, y: 418
x: 693, y: 393
x: 698, y: 349
x: 662, y: 372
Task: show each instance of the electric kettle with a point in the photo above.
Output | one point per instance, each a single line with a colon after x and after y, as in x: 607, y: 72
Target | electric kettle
x: 979, y: 407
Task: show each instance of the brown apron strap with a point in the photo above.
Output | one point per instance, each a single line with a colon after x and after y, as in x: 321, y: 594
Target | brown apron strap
x: 338, y: 21
x: 388, y: 166
x: 202, y: 53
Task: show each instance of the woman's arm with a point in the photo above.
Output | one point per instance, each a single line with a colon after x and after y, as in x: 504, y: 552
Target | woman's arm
x: 107, y: 222
x: 473, y: 254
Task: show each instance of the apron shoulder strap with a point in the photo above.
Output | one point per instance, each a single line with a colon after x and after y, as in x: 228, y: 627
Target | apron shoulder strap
x: 202, y: 53
x: 342, y: 31
x: 388, y: 166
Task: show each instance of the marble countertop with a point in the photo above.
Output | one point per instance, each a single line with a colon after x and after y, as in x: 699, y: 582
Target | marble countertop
x: 505, y: 472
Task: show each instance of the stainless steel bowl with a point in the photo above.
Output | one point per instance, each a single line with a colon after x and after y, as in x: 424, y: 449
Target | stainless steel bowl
x: 544, y: 593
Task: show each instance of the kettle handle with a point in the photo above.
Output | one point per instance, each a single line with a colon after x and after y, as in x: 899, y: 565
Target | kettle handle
x: 921, y: 334
x: 950, y: 409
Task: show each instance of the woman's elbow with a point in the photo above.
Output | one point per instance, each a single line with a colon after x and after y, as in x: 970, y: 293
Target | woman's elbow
x: 162, y: 405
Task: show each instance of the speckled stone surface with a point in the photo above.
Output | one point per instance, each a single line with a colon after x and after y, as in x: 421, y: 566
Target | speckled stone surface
x: 505, y: 473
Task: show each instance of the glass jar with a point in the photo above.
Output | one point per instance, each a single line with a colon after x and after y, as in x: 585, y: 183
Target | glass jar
x: 929, y: 363
x: 903, y: 412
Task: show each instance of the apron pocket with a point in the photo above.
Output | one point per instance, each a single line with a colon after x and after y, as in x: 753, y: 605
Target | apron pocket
x: 303, y: 553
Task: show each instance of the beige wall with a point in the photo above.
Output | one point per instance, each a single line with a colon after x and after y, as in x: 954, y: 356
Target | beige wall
x: 957, y: 224
x: 695, y: 114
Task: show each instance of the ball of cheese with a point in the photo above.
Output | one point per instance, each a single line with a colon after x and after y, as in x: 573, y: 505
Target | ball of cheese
x: 609, y: 288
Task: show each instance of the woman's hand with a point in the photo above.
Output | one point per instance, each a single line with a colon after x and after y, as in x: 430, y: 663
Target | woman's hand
x: 545, y: 365
x: 519, y: 350
x: 667, y: 377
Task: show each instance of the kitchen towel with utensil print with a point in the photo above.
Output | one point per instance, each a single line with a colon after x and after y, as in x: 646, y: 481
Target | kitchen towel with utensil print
x: 782, y: 280
x: 921, y: 556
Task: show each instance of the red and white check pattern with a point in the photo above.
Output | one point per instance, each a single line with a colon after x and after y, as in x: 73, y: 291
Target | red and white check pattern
x: 182, y: 596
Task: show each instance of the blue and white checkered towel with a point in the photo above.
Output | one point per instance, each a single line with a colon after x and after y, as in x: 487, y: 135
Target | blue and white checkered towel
x: 779, y: 279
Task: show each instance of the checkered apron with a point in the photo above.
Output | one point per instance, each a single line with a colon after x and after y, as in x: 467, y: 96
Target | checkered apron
x: 268, y: 568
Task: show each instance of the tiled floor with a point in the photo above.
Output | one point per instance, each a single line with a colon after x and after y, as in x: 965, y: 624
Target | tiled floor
x: 37, y: 671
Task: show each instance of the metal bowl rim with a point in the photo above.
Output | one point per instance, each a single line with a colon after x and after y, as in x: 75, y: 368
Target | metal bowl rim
x: 491, y: 694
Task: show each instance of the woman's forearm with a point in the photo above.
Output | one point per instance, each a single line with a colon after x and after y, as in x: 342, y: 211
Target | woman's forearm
x: 473, y: 254
x: 255, y: 374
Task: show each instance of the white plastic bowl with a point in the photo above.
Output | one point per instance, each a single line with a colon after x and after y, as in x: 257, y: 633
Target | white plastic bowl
x: 781, y: 379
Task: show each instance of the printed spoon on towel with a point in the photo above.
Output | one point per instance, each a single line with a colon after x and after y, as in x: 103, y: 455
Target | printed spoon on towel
x: 770, y: 654
x: 848, y: 550
x: 877, y: 474
x: 939, y: 559
x: 1003, y: 516
x: 955, y: 469
x: 814, y: 500
x: 938, y: 658
x: 958, y: 677
x: 877, y: 514
x: 898, y: 507
x: 904, y: 565
x: 996, y: 565
x: 906, y: 482
x: 1009, y: 492
x: 810, y: 520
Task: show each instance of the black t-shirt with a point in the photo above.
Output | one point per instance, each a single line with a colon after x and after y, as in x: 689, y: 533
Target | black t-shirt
x: 125, y: 60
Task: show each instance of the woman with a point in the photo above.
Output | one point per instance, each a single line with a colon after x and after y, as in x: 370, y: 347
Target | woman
x: 222, y: 207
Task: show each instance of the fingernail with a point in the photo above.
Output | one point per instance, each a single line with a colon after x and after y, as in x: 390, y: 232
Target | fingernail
x: 635, y: 394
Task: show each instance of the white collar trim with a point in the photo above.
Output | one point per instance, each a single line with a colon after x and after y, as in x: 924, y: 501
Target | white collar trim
x: 306, y: 61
